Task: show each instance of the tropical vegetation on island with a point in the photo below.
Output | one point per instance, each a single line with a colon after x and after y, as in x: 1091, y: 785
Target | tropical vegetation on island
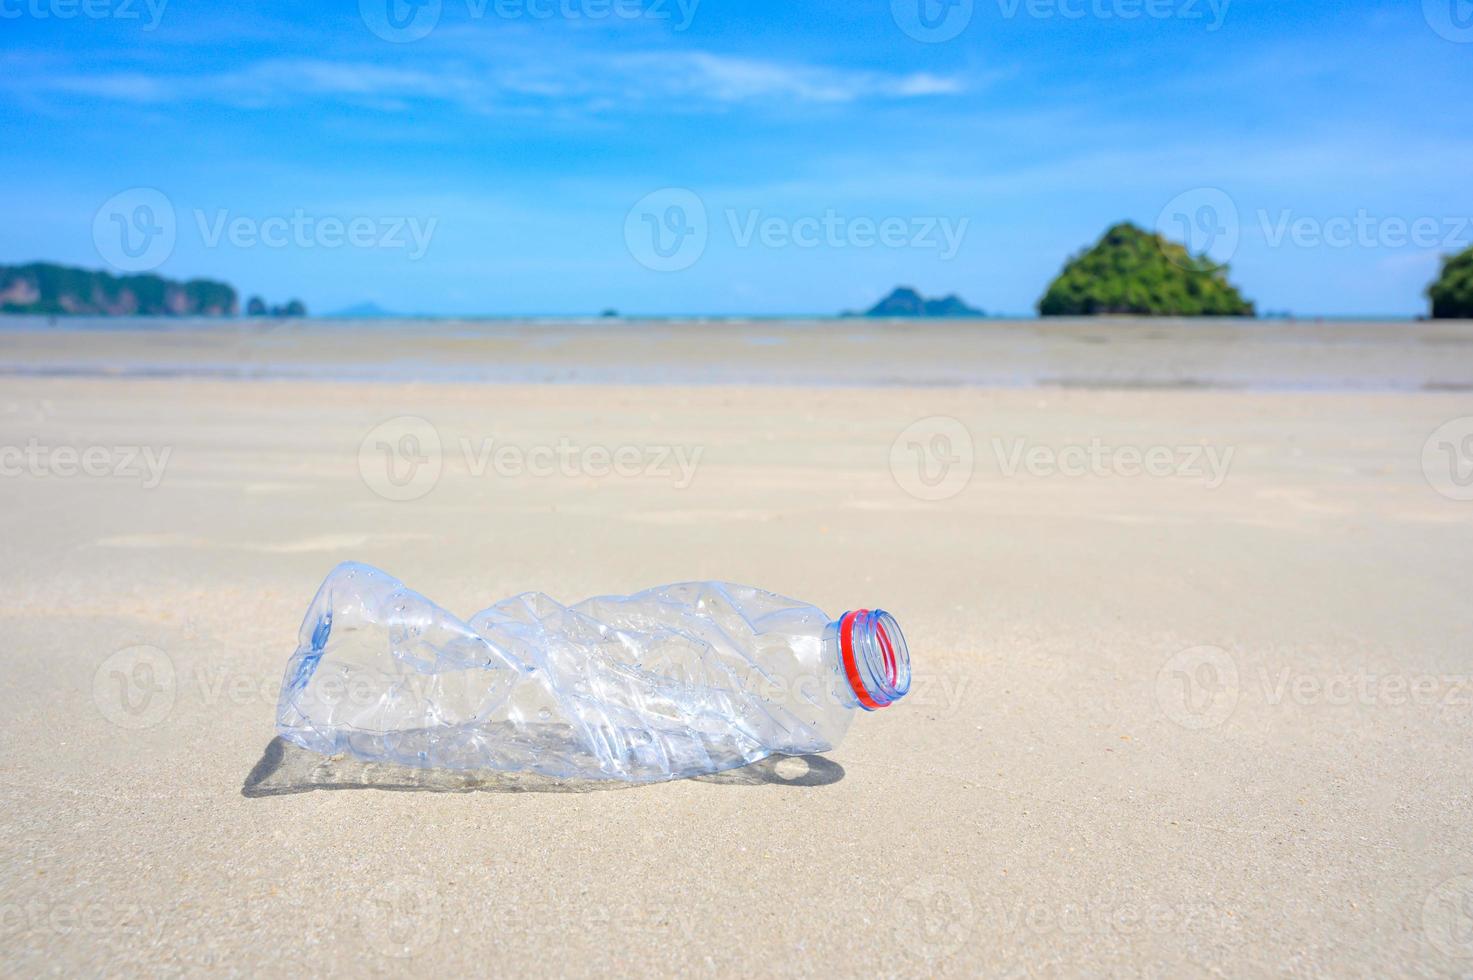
x: 256, y: 306
x: 48, y: 288
x: 1452, y: 293
x: 1128, y: 272
x: 1131, y: 271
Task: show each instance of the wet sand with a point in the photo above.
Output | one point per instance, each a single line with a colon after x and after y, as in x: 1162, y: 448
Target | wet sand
x: 1115, y: 353
x: 1207, y: 721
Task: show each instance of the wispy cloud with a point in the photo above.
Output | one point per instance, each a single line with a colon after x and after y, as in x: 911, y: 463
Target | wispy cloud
x: 726, y: 79
x: 594, y: 80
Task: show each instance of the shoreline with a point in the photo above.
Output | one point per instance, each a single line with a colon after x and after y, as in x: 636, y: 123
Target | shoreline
x: 1123, y: 354
x: 290, y: 375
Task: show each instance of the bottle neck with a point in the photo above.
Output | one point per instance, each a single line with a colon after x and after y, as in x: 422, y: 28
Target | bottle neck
x: 874, y: 657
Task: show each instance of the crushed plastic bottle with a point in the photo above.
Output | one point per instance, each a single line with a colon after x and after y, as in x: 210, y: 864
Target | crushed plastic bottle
x: 675, y: 681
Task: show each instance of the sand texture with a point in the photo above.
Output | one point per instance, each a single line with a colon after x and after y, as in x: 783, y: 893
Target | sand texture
x: 1193, y: 723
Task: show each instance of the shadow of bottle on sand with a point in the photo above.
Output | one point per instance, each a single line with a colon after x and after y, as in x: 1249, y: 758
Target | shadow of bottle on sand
x: 286, y: 768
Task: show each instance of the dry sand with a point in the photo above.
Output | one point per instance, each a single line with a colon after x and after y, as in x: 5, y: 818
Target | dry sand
x: 1160, y: 727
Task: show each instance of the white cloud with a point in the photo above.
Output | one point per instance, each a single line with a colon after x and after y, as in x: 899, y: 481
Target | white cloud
x: 728, y: 79
x: 589, y: 82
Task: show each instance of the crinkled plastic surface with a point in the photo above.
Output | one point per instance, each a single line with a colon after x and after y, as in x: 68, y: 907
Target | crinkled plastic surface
x: 675, y: 681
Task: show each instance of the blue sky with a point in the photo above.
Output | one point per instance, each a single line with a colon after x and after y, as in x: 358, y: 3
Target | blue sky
x: 524, y: 156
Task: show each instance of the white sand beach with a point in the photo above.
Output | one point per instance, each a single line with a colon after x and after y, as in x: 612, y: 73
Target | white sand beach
x: 1193, y: 688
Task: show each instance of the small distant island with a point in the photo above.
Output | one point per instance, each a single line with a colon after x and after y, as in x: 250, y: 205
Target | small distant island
x: 256, y: 306
x: 1133, y: 272
x: 50, y: 289
x: 907, y: 302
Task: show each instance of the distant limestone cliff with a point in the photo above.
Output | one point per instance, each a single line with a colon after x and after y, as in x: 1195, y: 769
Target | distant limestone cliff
x: 44, y: 287
x: 905, y: 301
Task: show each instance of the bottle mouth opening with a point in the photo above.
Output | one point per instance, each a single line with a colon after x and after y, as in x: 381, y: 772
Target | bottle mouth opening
x: 875, y: 657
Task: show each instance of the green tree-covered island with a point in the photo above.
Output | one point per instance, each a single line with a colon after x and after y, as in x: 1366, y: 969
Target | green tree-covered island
x: 1452, y: 293
x: 50, y: 289
x: 1130, y: 271
x: 45, y: 287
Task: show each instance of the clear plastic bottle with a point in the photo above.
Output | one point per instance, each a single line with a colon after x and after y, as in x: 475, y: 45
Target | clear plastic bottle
x: 675, y: 681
